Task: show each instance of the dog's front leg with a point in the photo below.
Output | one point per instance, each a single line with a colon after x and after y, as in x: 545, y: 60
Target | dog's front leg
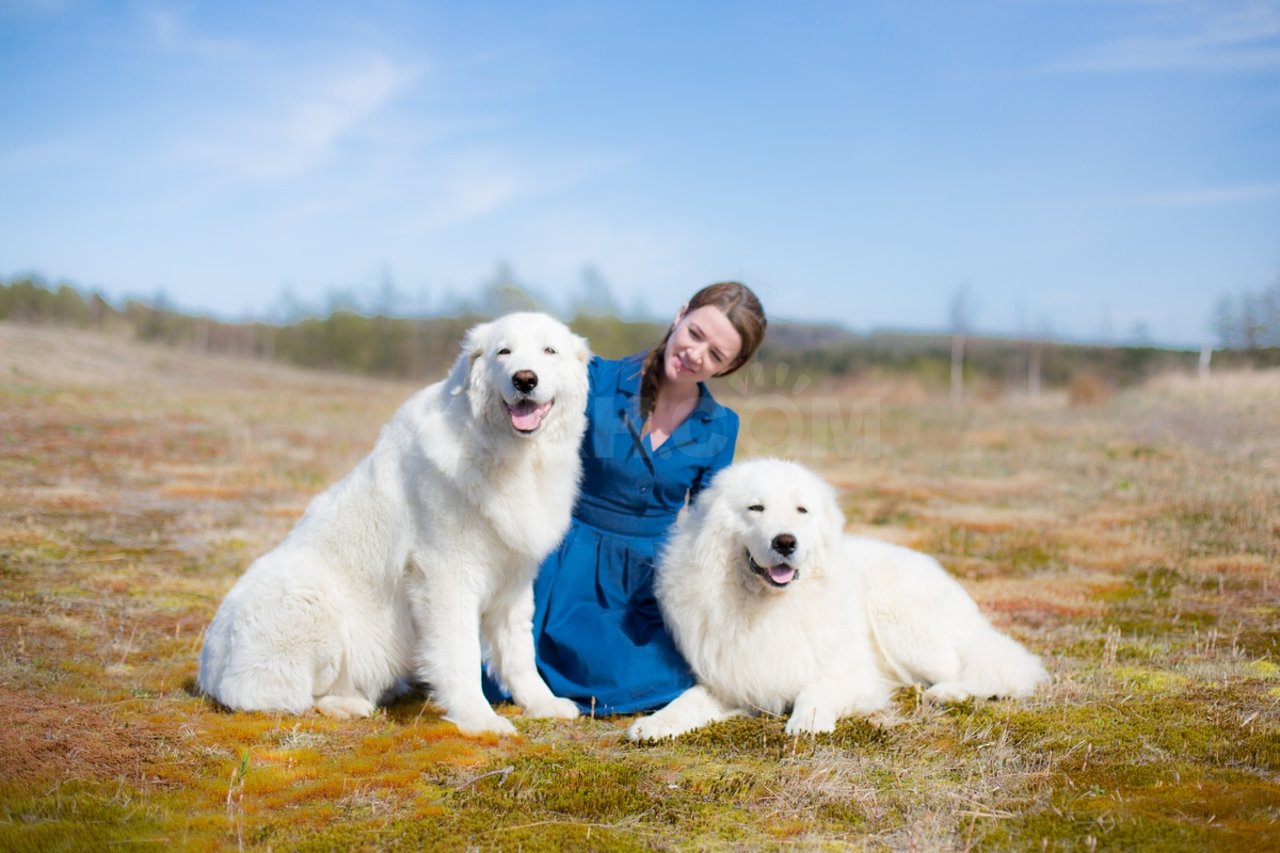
x: 508, y: 625
x: 447, y: 613
x: 821, y: 703
x: 692, y: 709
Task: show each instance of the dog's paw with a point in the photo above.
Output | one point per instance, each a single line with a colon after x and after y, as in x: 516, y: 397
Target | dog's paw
x: 811, y: 720
x: 482, y: 724
x: 553, y: 707
x: 947, y: 692
x: 654, y: 727
x: 345, y: 707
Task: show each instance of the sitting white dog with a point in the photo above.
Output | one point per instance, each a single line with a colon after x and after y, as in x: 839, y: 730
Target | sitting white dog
x: 775, y: 608
x: 397, y: 571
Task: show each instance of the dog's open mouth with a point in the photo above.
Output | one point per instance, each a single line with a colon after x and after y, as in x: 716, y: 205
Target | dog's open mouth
x: 779, y: 575
x: 526, y: 415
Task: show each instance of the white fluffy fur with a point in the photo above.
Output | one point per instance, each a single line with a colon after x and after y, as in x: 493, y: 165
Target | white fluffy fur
x: 860, y: 618
x: 399, y: 569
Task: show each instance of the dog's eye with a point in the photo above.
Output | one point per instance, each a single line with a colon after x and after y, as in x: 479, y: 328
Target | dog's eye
x: 756, y: 507
x: 549, y: 350
x: 801, y: 510
x: 504, y: 351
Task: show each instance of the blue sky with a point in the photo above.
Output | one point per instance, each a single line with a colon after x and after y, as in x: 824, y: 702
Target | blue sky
x: 1091, y: 169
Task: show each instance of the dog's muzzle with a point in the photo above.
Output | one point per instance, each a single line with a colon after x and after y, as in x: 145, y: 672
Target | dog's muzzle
x: 777, y: 576
x: 527, y: 415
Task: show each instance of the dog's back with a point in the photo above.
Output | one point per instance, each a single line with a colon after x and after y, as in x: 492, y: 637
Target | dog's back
x: 928, y: 630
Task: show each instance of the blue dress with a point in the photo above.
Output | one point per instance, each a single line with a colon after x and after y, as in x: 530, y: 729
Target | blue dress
x: 597, y: 629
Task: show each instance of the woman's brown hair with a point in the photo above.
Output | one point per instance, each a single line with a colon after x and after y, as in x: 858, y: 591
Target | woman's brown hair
x: 743, y: 310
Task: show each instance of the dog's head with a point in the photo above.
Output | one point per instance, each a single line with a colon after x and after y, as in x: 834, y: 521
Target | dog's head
x: 523, y: 374
x: 771, y: 522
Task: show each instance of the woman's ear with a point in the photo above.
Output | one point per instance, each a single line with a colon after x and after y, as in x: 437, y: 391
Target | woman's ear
x: 680, y: 314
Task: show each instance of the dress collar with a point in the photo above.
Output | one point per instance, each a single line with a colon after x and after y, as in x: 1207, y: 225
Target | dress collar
x: 692, y: 428
x: 629, y: 374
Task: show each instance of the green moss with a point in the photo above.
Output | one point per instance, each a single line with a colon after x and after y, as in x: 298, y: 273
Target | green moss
x: 1113, y: 729
x: 1151, y: 680
x: 1263, y: 669
x: 764, y: 737
x: 478, y: 832
x: 848, y: 815
x: 579, y: 786
x: 79, y: 816
x: 1180, y: 810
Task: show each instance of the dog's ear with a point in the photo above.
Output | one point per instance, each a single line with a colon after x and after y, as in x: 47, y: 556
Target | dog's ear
x: 711, y: 511
x: 833, y: 523
x: 473, y: 344
x: 581, y: 349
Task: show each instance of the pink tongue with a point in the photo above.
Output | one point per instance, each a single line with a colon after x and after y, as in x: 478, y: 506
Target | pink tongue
x: 526, y: 415
x: 782, y: 573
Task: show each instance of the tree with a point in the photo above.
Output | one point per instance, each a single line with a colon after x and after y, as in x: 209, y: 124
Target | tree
x: 1269, y: 314
x: 1035, y: 342
x: 960, y: 314
x: 594, y: 297
x: 502, y: 294
x: 389, y: 301
x: 287, y: 308
x: 1039, y: 340
x: 1224, y: 322
x: 1251, y: 322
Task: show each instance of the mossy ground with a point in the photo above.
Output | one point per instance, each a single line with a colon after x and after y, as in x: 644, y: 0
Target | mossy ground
x: 1133, y: 544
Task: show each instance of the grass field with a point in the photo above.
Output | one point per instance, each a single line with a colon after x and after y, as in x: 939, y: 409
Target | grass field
x: 1133, y: 543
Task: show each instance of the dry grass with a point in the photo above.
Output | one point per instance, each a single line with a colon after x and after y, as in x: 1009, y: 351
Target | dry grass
x: 1132, y: 542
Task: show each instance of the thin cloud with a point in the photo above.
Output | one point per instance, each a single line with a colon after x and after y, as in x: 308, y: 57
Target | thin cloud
x: 463, y: 186
x: 464, y: 192
x: 281, y: 118
x: 170, y: 33
x: 301, y: 128
x: 341, y: 103
x: 33, y: 8
x: 1195, y: 37
x: 44, y: 156
x: 1210, y: 196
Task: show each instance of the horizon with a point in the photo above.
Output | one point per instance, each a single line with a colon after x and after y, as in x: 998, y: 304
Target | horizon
x: 1101, y: 172
x: 566, y: 313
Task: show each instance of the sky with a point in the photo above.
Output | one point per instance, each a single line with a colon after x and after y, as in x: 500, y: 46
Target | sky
x: 1099, y: 170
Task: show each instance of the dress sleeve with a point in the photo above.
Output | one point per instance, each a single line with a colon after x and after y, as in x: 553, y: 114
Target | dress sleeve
x: 727, y: 426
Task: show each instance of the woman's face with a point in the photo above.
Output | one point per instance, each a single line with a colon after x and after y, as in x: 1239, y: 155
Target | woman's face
x: 703, y: 343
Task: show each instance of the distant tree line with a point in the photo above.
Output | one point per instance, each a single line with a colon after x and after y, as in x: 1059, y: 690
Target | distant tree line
x: 1000, y: 362
x: 346, y: 339
x: 1250, y: 321
x: 355, y: 341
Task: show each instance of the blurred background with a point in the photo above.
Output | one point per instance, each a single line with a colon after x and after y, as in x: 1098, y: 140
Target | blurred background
x: 337, y: 186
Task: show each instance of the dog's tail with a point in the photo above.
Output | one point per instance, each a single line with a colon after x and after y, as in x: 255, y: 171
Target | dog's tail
x: 998, y: 665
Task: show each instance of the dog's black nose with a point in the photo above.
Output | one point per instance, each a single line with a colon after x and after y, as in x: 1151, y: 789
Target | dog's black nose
x: 525, y: 381
x: 784, y: 544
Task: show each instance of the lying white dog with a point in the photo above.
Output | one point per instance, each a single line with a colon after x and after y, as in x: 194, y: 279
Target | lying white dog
x: 775, y: 609
x: 431, y: 542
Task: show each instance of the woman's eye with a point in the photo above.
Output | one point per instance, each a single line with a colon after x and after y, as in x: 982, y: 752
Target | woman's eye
x: 756, y: 507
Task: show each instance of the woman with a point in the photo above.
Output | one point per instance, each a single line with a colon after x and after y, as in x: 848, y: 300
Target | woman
x: 654, y: 438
